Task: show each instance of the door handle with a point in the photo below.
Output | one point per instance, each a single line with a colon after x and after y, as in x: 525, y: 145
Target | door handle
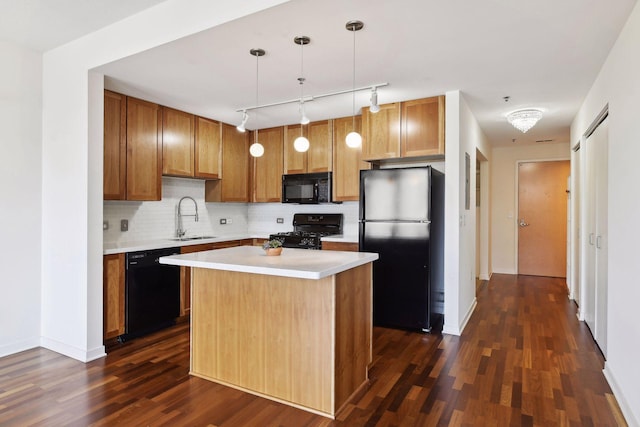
x: 522, y: 223
x: 591, y: 239
x: 599, y: 242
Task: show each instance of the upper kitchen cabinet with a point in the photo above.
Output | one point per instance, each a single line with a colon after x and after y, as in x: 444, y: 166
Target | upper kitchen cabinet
x: 347, y: 161
x: 404, y: 129
x: 178, y: 143
x: 320, y: 146
x: 319, y: 156
x: 208, y: 150
x: 234, y: 185
x: 423, y: 127
x: 267, y: 169
x: 381, y: 132
x: 294, y: 161
x: 144, y: 153
x: 115, y: 146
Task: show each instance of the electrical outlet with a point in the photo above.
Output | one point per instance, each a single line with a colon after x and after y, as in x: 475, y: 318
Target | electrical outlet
x: 124, y: 225
x: 229, y: 220
x: 223, y: 221
x: 105, y: 225
x: 280, y: 220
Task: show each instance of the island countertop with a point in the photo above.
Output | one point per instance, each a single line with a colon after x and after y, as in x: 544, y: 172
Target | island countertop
x: 300, y: 263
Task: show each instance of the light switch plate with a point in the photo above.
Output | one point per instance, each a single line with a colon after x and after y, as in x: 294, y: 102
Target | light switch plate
x: 105, y: 225
x: 229, y: 220
x: 223, y: 221
x: 124, y: 225
x: 280, y: 220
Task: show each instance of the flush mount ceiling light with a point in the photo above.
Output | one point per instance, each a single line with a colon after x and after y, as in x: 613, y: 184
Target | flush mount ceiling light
x: 523, y: 120
x: 374, y: 108
x: 256, y: 149
x: 301, y: 144
x: 353, y: 139
x: 245, y: 117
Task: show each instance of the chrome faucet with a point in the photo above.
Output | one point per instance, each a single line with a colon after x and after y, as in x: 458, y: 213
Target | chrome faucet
x: 180, y: 231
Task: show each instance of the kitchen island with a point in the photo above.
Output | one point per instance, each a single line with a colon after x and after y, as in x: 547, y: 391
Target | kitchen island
x: 294, y: 328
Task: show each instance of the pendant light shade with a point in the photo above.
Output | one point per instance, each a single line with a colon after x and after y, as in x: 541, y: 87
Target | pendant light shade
x: 256, y: 149
x: 301, y: 144
x: 353, y: 138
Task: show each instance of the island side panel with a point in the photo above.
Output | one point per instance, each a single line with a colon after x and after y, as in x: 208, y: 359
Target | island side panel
x: 354, y: 329
x: 269, y: 335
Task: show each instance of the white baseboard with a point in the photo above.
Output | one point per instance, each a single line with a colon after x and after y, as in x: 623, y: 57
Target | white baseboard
x: 18, y: 346
x: 457, y: 329
x: 73, y: 352
x: 626, y: 409
x: 485, y: 276
x: 509, y: 271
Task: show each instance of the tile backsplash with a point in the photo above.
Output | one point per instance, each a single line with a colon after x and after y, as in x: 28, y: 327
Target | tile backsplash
x: 157, y: 220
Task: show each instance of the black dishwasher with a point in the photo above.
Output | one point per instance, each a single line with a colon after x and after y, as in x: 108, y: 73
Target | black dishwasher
x: 152, y: 292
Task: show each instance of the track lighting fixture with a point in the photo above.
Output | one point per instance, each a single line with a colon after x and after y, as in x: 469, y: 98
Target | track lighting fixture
x: 374, y: 100
x: 256, y: 149
x: 304, y: 120
x: 353, y: 139
x: 241, y: 126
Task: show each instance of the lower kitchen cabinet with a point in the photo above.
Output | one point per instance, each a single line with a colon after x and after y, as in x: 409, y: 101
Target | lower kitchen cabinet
x: 340, y: 246
x: 113, y: 295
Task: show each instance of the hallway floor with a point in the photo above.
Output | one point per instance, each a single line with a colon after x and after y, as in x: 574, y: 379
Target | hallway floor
x: 523, y: 360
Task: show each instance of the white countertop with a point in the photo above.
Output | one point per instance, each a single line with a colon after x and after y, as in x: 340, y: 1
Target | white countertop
x: 132, y: 246
x: 301, y: 263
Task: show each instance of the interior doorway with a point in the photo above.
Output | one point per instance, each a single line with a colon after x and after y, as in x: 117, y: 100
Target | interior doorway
x: 542, y: 218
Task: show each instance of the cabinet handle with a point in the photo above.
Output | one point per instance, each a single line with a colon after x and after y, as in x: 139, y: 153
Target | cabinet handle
x: 591, y: 239
x: 598, y: 242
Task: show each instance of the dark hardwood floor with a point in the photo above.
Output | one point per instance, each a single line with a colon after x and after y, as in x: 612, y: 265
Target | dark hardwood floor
x: 523, y: 360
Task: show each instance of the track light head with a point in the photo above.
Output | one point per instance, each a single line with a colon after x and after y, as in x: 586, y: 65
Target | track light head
x: 374, y: 101
x: 241, y: 126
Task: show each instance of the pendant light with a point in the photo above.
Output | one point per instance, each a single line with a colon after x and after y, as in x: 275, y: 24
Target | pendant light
x: 301, y: 144
x: 353, y: 139
x: 256, y: 149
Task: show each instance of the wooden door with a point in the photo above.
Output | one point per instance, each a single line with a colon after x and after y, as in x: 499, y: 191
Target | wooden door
x: 319, y: 156
x: 177, y: 143
x: 381, y: 132
x: 267, y: 169
x: 423, y: 127
x: 542, y: 218
x: 347, y: 162
x: 115, y: 146
x: 235, y: 165
x: 208, y: 149
x: 294, y: 161
x: 144, y: 151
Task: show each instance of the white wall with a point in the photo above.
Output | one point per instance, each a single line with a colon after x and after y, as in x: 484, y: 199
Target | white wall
x: 72, y: 162
x: 618, y: 84
x: 504, y: 196
x: 20, y: 193
x: 463, y: 135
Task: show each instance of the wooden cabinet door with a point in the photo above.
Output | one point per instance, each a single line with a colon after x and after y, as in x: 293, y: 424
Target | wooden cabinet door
x: 267, y: 169
x: 177, y: 143
x: 319, y: 156
x: 144, y: 154
x: 381, y: 132
x: 294, y: 161
x: 208, y: 150
x: 423, y: 127
x: 340, y: 246
x: 347, y: 162
x: 235, y: 165
x: 115, y: 146
x: 113, y: 295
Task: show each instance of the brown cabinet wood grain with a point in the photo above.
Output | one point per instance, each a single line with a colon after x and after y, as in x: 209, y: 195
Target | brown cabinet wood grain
x: 234, y: 186
x: 294, y: 161
x: 319, y: 156
x: 113, y: 295
x: 185, y: 272
x: 381, y: 132
x: 267, y: 169
x: 347, y: 161
x: 144, y: 153
x: 178, y: 143
x: 340, y: 246
x: 208, y: 150
x: 423, y: 127
x: 115, y: 146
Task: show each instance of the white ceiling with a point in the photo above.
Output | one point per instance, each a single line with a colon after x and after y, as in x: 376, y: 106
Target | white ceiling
x: 543, y: 54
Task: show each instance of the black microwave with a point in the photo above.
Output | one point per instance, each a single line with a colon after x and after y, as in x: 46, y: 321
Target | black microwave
x: 306, y: 188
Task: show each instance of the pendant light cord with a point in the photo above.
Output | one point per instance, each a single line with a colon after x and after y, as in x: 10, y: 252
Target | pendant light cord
x: 353, y: 106
x: 255, y: 134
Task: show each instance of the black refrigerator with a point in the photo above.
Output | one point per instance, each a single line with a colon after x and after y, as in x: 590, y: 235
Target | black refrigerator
x: 402, y: 219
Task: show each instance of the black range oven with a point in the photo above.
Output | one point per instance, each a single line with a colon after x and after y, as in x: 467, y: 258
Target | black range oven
x: 308, y: 230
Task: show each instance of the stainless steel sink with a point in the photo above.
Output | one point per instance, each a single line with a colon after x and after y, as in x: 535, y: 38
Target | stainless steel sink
x: 186, y: 239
